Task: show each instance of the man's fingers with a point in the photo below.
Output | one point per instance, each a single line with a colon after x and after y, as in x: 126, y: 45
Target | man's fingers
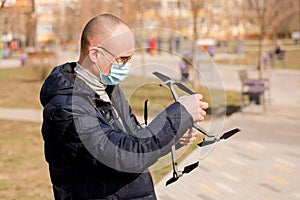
x: 194, y: 105
x: 203, y: 105
x: 199, y: 96
x: 189, y: 137
x: 187, y: 141
x: 201, y: 114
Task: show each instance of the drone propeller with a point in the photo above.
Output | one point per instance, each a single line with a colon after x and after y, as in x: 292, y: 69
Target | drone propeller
x: 165, y: 78
x: 178, y: 174
x: 189, y: 168
x: 161, y: 76
x: 172, y: 180
x: 146, y: 112
x: 230, y: 133
x: 184, y: 88
x: 225, y: 136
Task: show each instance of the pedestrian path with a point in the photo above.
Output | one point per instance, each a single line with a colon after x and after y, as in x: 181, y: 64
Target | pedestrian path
x: 19, y: 114
x: 10, y: 63
x: 239, y: 169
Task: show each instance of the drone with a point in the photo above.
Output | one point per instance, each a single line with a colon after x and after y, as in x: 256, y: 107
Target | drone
x: 208, y: 140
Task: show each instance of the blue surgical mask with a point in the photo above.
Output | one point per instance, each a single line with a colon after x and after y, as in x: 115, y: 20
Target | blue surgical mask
x: 118, y: 73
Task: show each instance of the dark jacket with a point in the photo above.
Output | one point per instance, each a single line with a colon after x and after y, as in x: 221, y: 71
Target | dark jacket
x: 92, y: 154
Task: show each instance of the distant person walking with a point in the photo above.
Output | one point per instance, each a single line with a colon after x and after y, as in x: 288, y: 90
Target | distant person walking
x: 280, y: 53
x: 184, y: 67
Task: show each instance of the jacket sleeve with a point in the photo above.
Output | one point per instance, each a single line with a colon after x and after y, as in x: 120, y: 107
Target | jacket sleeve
x: 128, y: 153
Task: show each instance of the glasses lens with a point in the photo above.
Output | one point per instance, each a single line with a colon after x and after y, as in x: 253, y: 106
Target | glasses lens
x: 125, y: 59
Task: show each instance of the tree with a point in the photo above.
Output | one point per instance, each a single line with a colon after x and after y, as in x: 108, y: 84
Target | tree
x: 195, y: 7
x: 20, y: 24
x: 270, y: 16
x: 260, y: 7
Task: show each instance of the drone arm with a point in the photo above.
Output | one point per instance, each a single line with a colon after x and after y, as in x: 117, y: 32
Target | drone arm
x: 202, y: 130
x: 175, y: 95
x: 176, y: 173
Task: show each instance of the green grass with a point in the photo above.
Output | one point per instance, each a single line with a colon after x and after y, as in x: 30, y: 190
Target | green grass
x: 23, y: 170
x: 20, y: 87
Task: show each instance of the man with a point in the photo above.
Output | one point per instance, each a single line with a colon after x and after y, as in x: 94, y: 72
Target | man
x: 93, y: 143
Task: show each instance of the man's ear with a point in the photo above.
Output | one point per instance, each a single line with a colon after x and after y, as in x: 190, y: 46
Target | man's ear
x: 93, y: 54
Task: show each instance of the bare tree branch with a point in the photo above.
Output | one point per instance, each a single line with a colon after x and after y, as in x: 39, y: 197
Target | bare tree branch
x: 2, y: 4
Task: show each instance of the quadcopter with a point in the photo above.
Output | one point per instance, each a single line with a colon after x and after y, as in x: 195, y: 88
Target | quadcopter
x: 208, y: 140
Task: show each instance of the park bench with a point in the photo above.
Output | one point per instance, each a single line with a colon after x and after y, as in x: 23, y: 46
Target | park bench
x: 254, y: 89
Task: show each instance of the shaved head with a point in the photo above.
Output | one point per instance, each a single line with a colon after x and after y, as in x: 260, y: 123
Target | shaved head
x: 98, y: 29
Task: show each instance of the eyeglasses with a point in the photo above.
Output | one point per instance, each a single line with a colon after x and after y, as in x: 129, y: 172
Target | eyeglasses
x: 123, y: 59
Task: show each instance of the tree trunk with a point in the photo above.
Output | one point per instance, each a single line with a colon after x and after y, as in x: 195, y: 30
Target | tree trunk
x: 262, y: 18
x: 195, y: 79
x: 260, y: 66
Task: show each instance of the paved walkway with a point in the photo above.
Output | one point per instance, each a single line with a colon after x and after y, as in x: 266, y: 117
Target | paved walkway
x: 262, y: 162
x: 10, y: 63
x: 16, y: 114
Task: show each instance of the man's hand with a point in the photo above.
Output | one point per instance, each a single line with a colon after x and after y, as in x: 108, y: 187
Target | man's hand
x: 194, y: 105
x: 189, y: 137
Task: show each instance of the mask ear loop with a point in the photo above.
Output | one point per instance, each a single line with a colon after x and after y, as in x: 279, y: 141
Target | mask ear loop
x: 95, y: 48
x: 101, y: 51
x: 93, y: 57
x: 98, y: 69
x: 100, y: 73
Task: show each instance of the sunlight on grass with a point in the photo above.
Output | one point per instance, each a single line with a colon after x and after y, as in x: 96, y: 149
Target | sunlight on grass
x: 23, y: 170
